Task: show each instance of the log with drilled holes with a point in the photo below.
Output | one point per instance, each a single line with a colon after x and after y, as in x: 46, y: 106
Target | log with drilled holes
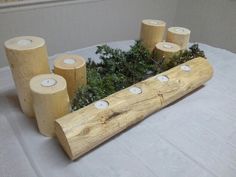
x: 83, y: 130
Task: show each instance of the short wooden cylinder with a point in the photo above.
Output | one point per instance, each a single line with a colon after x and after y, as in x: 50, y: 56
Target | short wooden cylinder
x: 50, y: 101
x: 166, y: 50
x: 27, y: 57
x: 73, y: 69
x: 152, y: 32
x: 179, y: 35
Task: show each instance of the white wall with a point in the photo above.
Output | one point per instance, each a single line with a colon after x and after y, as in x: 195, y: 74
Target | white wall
x: 211, y: 21
x: 76, y: 25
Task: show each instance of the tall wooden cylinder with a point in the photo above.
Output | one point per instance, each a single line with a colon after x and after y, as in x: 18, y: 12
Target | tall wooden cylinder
x: 83, y: 130
x: 73, y: 69
x: 166, y: 50
x: 179, y: 35
x: 152, y: 32
x: 27, y: 57
x: 50, y: 101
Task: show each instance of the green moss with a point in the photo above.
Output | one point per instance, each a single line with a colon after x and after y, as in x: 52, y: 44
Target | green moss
x: 120, y: 69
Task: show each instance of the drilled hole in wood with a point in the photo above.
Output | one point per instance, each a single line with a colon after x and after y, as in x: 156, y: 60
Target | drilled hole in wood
x: 186, y: 68
x: 102, y: 104
x: 135, y: 90
x: 163, y: 78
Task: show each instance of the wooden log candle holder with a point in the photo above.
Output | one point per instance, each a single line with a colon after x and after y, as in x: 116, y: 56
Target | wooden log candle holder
x: 73, y: 69
x: 83, y: 130
x: 178, y: 35
x: 152, y: 32
x: 50, y: 101
x: 166, y: 50
x: 27, y: 57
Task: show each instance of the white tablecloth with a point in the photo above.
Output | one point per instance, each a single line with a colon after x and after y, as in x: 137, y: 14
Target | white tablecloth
x: 195, y: 137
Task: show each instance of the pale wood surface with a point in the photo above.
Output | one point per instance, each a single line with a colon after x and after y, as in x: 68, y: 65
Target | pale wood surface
x: 152, y: 32
x: 166, y: 50
x: 50, y: 101
x: 178, y: 35
x: 83, y: 130
x: 27, y: 57
x: 73, y: 69
x: 195, y: 137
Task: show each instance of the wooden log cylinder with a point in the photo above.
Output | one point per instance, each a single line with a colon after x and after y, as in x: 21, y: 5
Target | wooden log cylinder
x: 27, y: 57
x: 83, y: 130
x: 152, y: 32
x: 179, y: 35
x: 166, y: 50
x: 73, y: 69
x: 50, y: 101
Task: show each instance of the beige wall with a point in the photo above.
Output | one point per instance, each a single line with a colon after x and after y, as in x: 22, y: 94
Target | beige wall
x: 76, y: 25
x: 211, y: 21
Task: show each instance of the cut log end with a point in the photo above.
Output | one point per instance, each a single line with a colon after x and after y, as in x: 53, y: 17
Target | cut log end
x: 63, y: 140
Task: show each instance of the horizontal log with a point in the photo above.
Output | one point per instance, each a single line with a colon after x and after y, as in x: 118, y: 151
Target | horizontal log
x: 83, y: 130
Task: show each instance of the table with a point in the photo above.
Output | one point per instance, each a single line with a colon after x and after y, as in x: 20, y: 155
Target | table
x: 195, y: 136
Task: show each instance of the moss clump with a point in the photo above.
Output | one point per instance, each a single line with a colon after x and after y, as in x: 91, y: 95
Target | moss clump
x: 120, y: 69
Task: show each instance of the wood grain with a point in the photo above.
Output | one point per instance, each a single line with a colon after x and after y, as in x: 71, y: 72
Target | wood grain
x: 27, y: 57
x: 73, y: 69
x: 165, y: 50
x: 50, y: 101
x: 83, y: 130
x: 178, y: 35
x: 152, y: 32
